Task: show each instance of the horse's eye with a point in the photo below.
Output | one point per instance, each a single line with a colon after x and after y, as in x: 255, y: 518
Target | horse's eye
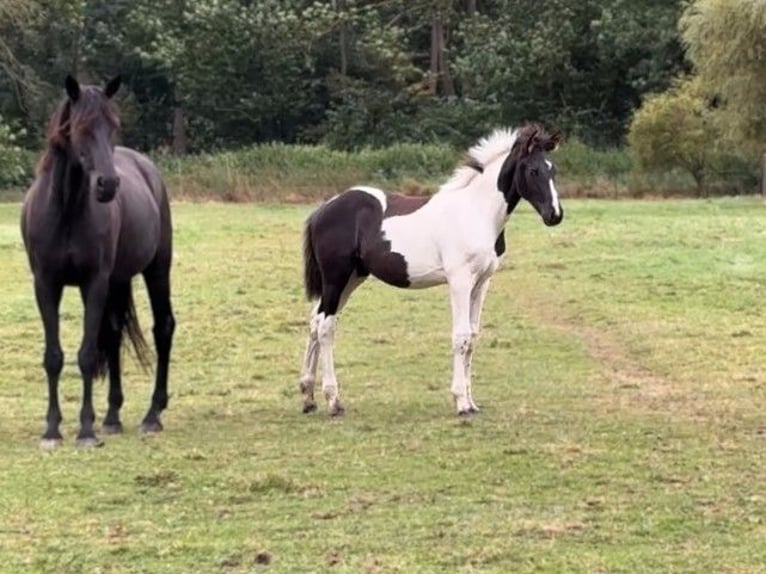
x: 534, y: 172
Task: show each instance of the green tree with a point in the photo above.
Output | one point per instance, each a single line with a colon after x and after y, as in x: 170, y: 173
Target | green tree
x: 677, y: 129
x: 726, y: 42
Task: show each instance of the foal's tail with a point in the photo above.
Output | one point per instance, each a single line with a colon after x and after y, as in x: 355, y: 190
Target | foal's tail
x: 120, y: 318
x: 312, y: 278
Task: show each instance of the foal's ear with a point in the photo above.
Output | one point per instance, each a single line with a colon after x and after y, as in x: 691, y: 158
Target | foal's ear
x: 112, y: 86
x: 505, y: 179
x: 553, y: 140
x: 72, y: 88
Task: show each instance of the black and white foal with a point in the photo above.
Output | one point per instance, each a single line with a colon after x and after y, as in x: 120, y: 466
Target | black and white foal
x: 454, y: 237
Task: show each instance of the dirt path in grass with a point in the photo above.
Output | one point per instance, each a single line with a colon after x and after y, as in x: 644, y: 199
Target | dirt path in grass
x: 627, y: 382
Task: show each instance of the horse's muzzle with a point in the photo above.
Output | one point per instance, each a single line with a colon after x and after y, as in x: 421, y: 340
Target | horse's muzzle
x: 106, y: 188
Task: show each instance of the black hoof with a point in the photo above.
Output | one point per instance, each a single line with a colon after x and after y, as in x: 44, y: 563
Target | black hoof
x: 474, y: 410
x: 309, y: 408
x: 112, y: 428
x: 465, y: 414
x: 51, y: 443
x: 337, y: 411
x: 151, y: 427
x: 89, y: 442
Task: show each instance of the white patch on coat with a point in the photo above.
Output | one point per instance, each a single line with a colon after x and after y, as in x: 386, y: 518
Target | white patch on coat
x: 378, y: 194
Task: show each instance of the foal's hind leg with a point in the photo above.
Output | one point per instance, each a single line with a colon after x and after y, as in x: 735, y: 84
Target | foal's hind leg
x: 157, y: 279
x: 336, y: 289
x: 308, y: 372
x: 319, y: 318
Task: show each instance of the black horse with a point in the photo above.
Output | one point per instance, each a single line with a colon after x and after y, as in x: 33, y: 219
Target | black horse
x: 95, y: 216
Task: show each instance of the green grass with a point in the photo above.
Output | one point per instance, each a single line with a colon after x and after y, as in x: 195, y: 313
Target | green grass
x: 621, y: 371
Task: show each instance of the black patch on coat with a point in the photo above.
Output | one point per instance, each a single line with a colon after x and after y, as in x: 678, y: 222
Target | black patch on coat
x: 500, y: 244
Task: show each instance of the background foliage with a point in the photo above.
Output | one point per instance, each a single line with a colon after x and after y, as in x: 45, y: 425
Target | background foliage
x: 209, y: 75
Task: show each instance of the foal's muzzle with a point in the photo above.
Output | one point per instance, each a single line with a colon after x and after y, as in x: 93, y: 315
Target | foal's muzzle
x: 553, y: 219
x: 106, y: 188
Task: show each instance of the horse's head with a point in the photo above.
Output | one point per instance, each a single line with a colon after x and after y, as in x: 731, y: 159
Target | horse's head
x: 529, y: 174
x: 86, y: 129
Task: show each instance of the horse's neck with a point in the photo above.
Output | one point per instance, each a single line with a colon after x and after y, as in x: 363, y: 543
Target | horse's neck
x: 67, y: 187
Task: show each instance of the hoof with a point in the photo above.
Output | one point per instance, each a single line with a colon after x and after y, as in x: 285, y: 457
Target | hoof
x: 337, y: 410
x: 474, y: 410
x: 51, y: 443
x: 151, y: 427
x: 465, y: 413
x: 89, y: 442
x: 309, y: 408
x: 112, y: 428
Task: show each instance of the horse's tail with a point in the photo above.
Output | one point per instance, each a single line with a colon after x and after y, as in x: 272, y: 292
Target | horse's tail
x: 312, y: 278
x: 120, y: 317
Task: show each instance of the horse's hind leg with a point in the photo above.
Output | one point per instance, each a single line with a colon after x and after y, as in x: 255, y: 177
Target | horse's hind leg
x: 48, y: 297
x: 157, y: 279
x: 111, y: 333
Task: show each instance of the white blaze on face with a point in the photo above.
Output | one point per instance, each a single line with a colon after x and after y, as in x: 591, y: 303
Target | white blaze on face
x: 554, y: 193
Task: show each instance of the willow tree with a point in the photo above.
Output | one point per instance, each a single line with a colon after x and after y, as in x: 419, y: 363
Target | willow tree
x: 726, y: 42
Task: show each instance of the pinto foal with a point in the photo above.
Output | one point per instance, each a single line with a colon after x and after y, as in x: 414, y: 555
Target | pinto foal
x: 454, y: 237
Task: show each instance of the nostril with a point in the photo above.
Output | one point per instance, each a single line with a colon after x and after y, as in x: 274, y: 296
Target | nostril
x: 100, y: 181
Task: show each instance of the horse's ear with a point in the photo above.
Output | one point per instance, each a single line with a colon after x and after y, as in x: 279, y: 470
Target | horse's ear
x: 553, y: 140
x: 72, y: 88
x: 505, y: 179
x: 112, y: 86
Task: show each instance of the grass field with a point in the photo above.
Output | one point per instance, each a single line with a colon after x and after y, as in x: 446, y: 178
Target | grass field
x: 622, y: 371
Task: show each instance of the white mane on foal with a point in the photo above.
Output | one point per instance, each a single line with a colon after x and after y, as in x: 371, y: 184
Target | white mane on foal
x: 486, y: 151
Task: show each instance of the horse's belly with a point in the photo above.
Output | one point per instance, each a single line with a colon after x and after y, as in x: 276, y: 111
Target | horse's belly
x: 139, y: 237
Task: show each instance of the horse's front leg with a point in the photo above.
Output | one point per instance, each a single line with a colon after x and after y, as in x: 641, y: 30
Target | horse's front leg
x: 461, y: 285
x: 478, y: 295
x: 48, y: 296
x: 94, y: 295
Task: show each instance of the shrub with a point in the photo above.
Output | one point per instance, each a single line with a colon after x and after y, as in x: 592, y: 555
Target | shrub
x: 15, y: 162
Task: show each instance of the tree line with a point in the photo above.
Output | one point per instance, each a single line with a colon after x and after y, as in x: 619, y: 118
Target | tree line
x: 207, y: 75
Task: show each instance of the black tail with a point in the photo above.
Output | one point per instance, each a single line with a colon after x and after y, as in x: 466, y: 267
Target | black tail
x: 312, y: 278
x: 120, y: 316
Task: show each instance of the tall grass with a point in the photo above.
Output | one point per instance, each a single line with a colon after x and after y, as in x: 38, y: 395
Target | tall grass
x: 301, y: 173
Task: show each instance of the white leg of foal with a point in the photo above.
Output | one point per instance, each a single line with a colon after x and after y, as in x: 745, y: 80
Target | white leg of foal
x: 326, y: 337
x: 478, y: 295
x: 308, y: 372
x: 460, y: 298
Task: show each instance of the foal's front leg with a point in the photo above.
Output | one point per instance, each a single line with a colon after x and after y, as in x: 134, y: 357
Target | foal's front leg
x: 461, y: 285
x: 478, y: 295
x: 94, y: 294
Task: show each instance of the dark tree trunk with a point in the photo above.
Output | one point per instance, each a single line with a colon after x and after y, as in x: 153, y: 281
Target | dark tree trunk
x: 180, y: 137
x: 340, y: 5
x: 448, y: 86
